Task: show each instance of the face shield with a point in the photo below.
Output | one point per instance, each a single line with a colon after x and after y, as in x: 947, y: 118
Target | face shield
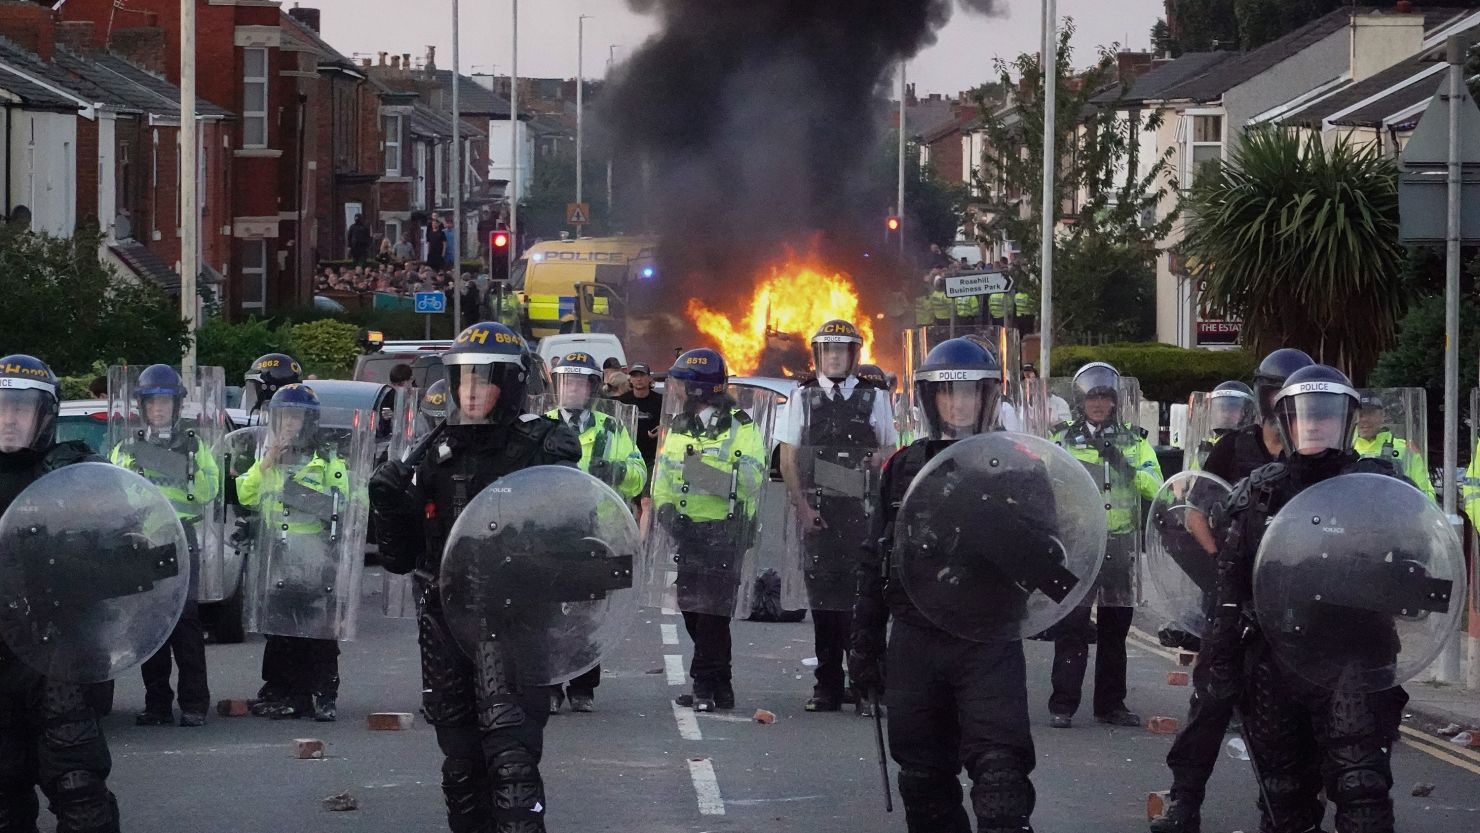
x: 957, y: 403
x: 293, y: 426
x: 160, y: 411
x: 574, y: 391
x: 482, y: 392
x: 27, y: 417
x: 1231, y: 410
x: 1097, y: 393
x: 1316, y: 421
x: 835, y: 359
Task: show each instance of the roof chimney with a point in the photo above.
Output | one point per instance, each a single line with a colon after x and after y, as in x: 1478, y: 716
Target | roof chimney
x: 431, y: 58
x: 395, y: 62
x: 75, y: 35
x: 1404, y: 7
x: 406, y: 60
x: 308, y: 17
x: 382, y: 58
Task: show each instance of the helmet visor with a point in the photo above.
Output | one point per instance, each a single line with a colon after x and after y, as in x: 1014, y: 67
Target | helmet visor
x: 26, y: 416
x: 159, y: 410
x: 1231, y: 410
x: 291, y: 425
x: 574, y: 391
x: 835, y: 360
x: 1312, y: 423
x: 481, y: 392
x: 953, y: 410
x: 1097, y: 392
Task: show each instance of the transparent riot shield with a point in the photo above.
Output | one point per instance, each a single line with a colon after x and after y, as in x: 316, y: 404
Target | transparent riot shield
x: 239, y: 451
x: 93, y: 572
x: 405, y: 429
x: 1105, y: 442
x: 608, y: 431
x: 1358, y: 583
x: 1393, y: 424
x: 176, y: 447
x: 311, y: 509
x: 1469, y: 498
x: 1181, y: 569
x: 1000, y: 537
x: 1209, y: 417
x: 713, y: 458
x: 546, y: 585
x: 839, y: 453
x: 1004, y: 342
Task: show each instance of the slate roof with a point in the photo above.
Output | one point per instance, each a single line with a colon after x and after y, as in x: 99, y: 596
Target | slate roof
x: 145, y: 264
x: 1151, y: 85
x: 101, y: 79
x: 32, y: 94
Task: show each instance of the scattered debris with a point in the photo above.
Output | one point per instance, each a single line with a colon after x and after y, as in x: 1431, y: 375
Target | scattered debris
x: 765, y: 717
x: 1422, y: 790
x: 340, y: 802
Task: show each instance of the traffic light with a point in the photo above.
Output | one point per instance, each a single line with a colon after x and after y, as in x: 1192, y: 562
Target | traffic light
x: 498, y: 254
x: 892, y: 224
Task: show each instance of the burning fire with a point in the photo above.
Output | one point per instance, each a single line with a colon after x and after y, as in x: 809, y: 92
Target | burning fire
x: 794, y: 301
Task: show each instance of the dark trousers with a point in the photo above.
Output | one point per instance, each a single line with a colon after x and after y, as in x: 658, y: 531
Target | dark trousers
x: 831, y: 629
x: 187, y: 644
x: 586, y: 683
x: 1195, y: 751
x: 1071, y: 659
x: 957, y: 704
x: 295, y: 666
x: 490, y: 729
x: 710, y: 667
x: 50, y: 738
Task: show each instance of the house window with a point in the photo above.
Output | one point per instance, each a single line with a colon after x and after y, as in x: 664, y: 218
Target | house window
x: 254, y: 275
x: 419, y: 153
x: 441, y: 174
x: 125, y: 175
x: 393, y: 231
x: 1206, y: 144
x: 254, y: 97
x: 31, y: 167
x: 392, y: 127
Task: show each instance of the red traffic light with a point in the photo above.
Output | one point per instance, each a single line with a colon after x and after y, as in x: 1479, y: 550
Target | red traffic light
x: 499, y: 239
x: 893, y: 223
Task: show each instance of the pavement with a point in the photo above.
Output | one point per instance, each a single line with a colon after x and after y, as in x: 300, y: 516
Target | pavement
x: 641, y: 764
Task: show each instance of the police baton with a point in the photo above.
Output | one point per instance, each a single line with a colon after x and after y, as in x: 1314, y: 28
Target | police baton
x: 873, y: 697
x: 419, y: 451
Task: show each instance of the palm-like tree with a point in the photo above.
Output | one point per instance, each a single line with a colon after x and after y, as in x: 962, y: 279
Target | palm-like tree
x: 1300, y: 241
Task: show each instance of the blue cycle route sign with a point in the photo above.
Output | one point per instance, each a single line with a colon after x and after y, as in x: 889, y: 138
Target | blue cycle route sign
x: 431, y: 302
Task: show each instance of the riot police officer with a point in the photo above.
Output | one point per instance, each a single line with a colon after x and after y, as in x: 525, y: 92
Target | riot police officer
x: 1233, y: 457
x: 301, y: 674
x: 432, y: 408
x: 1230, y: 406
x: 1374, y: 438
x: 1117, y: 454
x: 837, y: 423
x: 490, y: 730
x: 609, y: 454
x: 707, y: 476
x: 952, y: 702
x: 187, y: 473
x: 50, y: 735
x: 264, y: 378
x: 1302, y: 738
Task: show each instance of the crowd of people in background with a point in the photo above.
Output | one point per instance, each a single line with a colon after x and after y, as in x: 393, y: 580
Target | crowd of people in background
x: 394, y: 279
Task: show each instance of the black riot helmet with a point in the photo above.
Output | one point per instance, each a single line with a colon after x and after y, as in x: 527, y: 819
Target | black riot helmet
x: 1093, y: 381
x: 267, y: 375
x: 487, y: 371
x: 1233, y: 406
x: 30, y: 398
x: 837, y: 339
x: 872, y: 374
x: 156, y: 382
x: 433, y: 405
x: 967, y: 377
x: 1316, y: 411
x: 1270, y: 377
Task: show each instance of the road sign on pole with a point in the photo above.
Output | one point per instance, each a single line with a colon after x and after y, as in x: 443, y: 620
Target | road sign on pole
x: 431, y: 302
x: 981, y: 283
x: 577, y: 213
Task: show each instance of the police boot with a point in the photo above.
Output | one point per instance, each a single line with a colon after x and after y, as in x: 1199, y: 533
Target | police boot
x: 724, y: 697
x: 154, y: 718
x: 268, y: 699
x: 1181, y: 816
x: 292, y: 708
x: 557, y: 699
x: 824, y: 701
x: 699, y: 702
x: 325, y: 709
x: 581, y: 702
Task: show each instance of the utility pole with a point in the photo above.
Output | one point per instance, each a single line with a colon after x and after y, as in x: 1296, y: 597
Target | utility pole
x: 514, y: 147
x: 457, y: 175
x: 903, y: 146
x: 1049, y: 64
x: 581, y: 111
x: 189, y: 190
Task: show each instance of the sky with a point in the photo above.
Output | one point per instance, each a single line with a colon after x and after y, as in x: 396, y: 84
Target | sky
x: 961, y: 58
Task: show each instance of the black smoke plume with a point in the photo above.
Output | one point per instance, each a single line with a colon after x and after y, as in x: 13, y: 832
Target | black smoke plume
x: 750, y: 125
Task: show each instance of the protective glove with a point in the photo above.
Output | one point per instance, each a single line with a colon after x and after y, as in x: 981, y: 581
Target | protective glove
x: 667, y: 515
x: 1112, y: 454
x: 390, y: 485
x: 866, y: 669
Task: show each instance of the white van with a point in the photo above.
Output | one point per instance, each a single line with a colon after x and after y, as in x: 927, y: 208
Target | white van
x: 600, y: 346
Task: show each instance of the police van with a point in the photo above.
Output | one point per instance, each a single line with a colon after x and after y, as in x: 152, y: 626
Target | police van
x: 590, y: 285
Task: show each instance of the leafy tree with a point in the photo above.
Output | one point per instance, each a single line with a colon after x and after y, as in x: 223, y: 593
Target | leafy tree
x: 67, y: 307
x: 542, y: 211
x: 1162, y: 42
x: 933, y: 207
x: 1300, y: 242
x: 1416, y: 360
x: 1104, y: 275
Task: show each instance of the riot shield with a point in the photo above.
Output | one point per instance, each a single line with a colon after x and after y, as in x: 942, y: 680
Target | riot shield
x: 712, y: 464
x: 311, y: 510
x: 1181, y: 570
x: 606, y: 450
x: 93, y: 572
x: 546, y: 583
x: 838, y: 458
x: 239, y: 452
x: 1354, y: 599
x: 1393, y: 424
x: 177, y: 449
x: 1209, y: 417
x: 405, y: 427
x: 1005, y: 342
x: 1105, y: 451
x: 1000, y: 537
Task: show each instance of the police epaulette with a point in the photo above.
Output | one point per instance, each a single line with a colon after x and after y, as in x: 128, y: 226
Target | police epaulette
x: 530, y: 417
x: 741, y: 417
x: 1142, y: 432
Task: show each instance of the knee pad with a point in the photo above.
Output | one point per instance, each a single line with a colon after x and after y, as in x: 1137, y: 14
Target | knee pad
x: 1357, y: 784
x: 462, y: 773
x: 500, y: 712
x: 516, y: 782
x: 465, y: 790
x: 1001, y: 794
x: 83, y: 804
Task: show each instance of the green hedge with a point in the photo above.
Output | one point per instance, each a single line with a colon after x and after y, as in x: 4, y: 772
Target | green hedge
x: 326, y: 348
x: 1166, y: 373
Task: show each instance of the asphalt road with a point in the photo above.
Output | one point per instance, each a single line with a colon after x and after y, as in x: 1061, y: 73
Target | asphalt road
x: 641, y: 764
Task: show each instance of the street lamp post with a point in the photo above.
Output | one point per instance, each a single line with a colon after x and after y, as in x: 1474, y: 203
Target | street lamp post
x: 1049, y: 64
x: 457, y: 178
x: 189, y: 189
x: 514, y: 145
x: 580, y: 110
x: 903, y: 146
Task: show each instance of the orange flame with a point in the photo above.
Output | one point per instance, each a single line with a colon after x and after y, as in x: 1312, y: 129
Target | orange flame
x: 795, y: 300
